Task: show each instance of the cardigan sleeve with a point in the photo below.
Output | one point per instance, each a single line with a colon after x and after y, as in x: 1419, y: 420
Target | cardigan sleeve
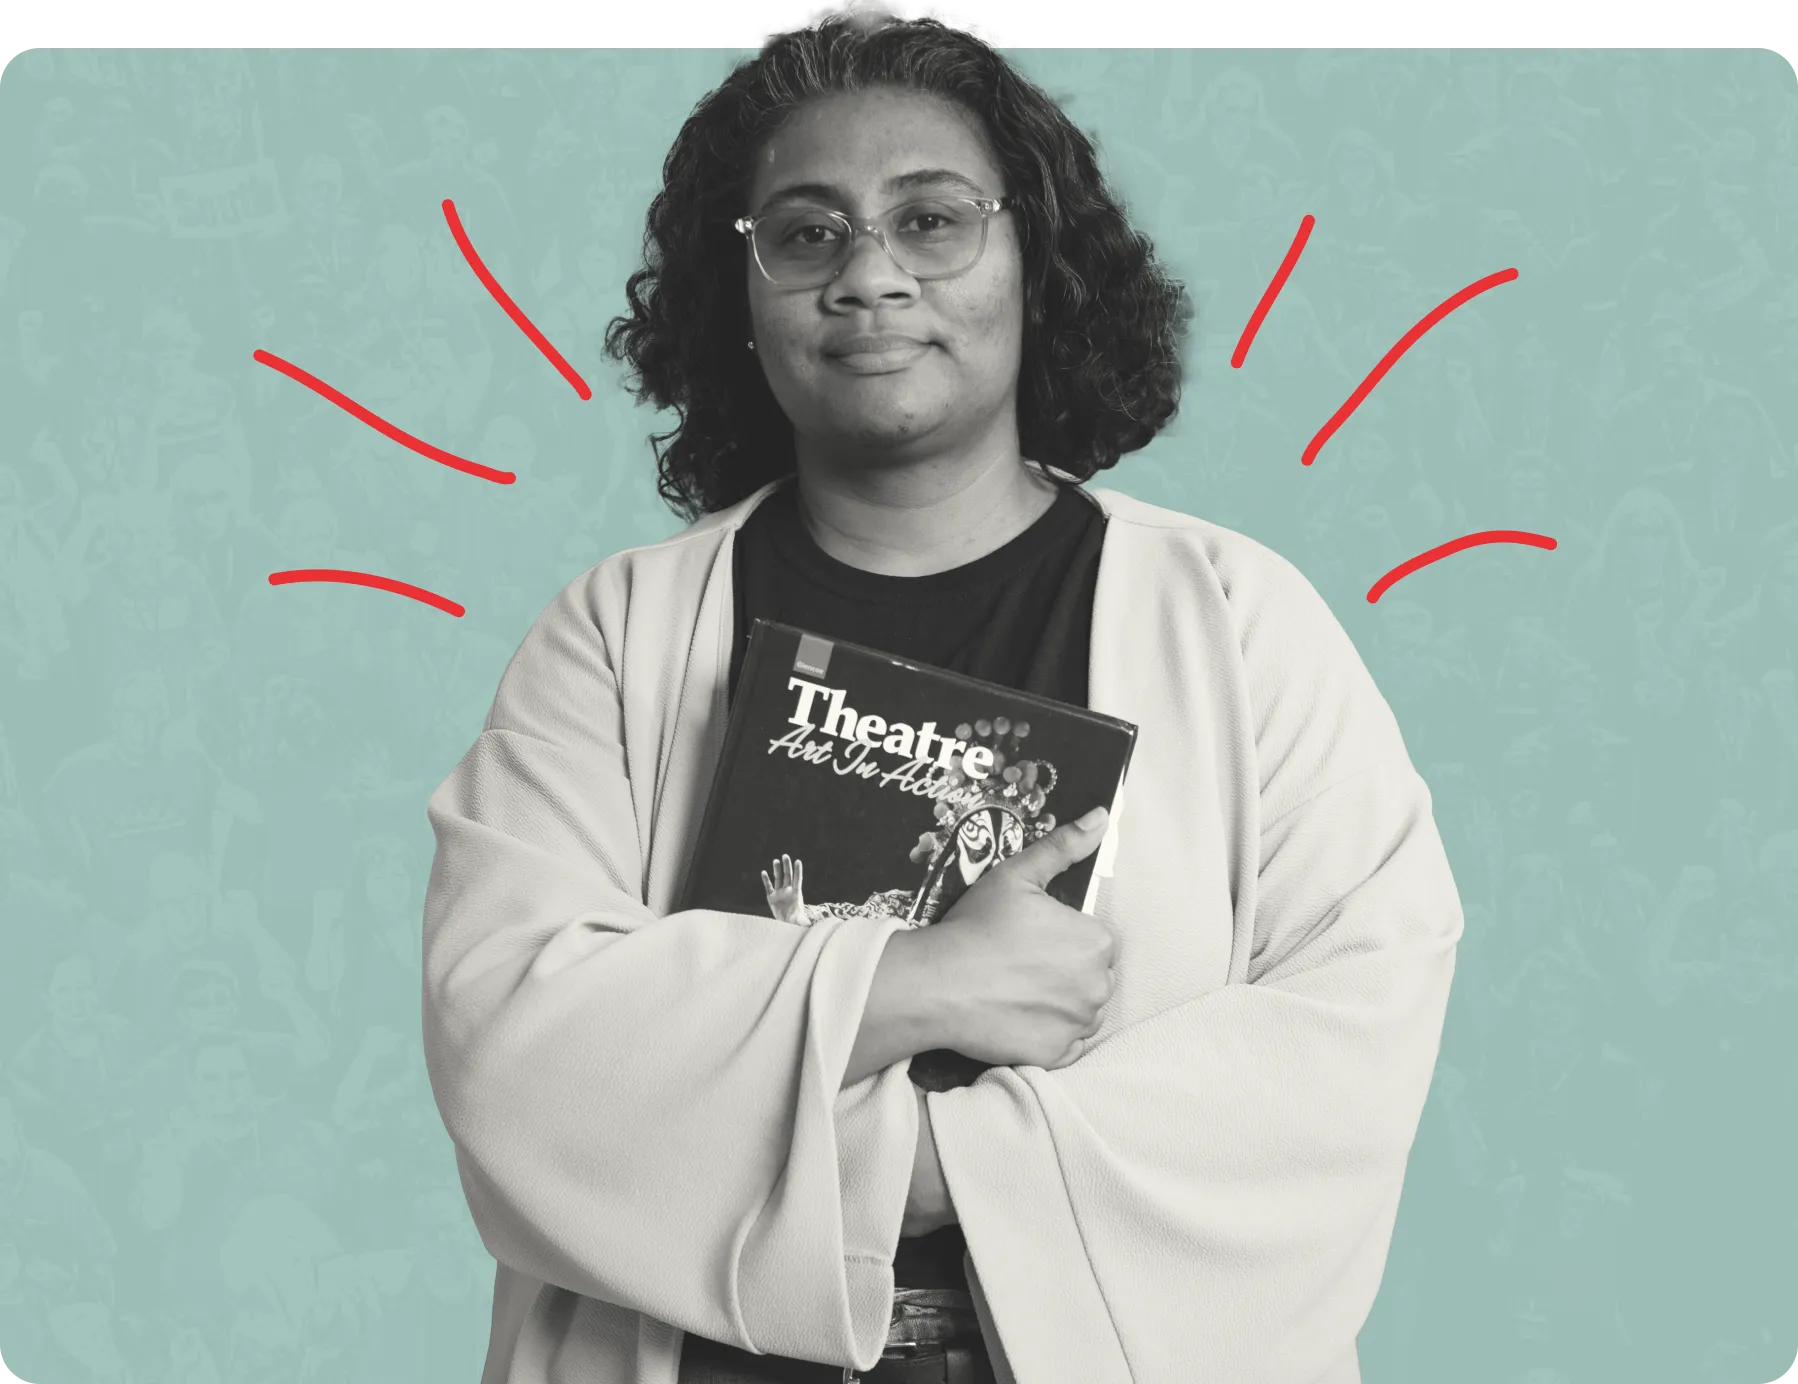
x: 1210, y: 1191
x: 647, y: 1110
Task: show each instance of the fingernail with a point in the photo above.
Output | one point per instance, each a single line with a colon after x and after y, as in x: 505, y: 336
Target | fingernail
x: 1088, y: 820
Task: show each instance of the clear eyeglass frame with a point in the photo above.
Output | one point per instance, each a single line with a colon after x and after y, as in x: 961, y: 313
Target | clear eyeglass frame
x: 855, y: 228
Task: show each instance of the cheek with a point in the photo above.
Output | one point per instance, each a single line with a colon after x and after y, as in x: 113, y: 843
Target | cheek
x: 984, y: 329
x: 1004, y: 323
x: 768, y: 306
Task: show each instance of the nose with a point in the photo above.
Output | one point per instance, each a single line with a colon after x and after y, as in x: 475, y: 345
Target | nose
x: 871, y: 277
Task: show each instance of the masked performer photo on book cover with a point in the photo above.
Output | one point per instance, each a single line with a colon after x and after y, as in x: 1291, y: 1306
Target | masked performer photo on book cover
x: 987, y: 826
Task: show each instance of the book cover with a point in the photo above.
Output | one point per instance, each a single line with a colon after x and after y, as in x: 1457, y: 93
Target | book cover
x: 854, y: 783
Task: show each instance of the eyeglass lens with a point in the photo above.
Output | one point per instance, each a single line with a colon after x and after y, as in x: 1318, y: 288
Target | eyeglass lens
x: 929, y: 239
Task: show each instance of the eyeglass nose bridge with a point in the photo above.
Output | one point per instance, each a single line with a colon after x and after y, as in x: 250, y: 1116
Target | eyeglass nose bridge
x: 860, y: 228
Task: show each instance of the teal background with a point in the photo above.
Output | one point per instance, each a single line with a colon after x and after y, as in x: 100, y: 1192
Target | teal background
x: 219, y: 1157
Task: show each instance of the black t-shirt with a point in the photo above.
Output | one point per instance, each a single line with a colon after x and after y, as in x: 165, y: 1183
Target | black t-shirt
x: 1020, y: 616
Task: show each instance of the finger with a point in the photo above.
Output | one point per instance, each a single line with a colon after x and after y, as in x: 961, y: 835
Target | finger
x: 767, y: 884
x: 798, y: 873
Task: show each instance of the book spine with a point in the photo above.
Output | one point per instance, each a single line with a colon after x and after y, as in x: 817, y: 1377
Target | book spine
x: 734, y: 731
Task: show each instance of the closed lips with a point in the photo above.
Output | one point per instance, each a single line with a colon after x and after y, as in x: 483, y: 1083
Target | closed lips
x: 873, y: 345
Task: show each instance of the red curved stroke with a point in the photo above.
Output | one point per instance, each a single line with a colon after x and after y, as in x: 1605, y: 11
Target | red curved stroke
x: 1281, y: 274
x: 1455, y: 545
x: 380, y: 424
x: 1405, y: 343
x: 516, y: 313
x: 337, y: 574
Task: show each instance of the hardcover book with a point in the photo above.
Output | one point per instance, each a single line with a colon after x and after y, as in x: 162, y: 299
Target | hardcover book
x: 854, y: 783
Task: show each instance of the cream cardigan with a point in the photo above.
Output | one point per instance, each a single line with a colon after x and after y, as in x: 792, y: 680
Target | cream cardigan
x: 645, y: 1104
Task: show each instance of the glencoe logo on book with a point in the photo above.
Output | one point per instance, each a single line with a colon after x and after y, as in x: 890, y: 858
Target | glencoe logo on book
x: 813, y: 655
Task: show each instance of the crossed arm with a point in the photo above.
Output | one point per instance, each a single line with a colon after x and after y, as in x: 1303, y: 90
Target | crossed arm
x: 905, y: 1015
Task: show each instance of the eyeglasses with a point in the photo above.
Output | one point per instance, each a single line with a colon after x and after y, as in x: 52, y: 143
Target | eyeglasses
x: 807, y: 247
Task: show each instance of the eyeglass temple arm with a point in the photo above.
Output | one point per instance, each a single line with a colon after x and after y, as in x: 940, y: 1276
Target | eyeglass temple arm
x: 745, y: 225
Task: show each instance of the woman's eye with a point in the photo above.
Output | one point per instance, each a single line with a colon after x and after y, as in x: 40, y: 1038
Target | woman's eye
x: 809, y: 233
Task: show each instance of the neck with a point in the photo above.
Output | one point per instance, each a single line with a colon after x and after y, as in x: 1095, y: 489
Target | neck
x: 922, y: 517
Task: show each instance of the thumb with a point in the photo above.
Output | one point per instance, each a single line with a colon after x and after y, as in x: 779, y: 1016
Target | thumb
x: 1072, y: 841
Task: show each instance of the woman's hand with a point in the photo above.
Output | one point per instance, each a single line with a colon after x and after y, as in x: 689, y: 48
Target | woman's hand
x: 1025, y: 977
x: 786, y: 901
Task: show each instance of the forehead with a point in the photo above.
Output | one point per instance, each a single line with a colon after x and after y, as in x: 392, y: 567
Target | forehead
x: 859, y: 142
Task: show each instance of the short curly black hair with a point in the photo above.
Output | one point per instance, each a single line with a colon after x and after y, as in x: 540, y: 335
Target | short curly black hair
x: 1100, y: 374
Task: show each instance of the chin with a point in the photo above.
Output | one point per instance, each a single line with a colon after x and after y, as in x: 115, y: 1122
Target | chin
x: 881, y: 427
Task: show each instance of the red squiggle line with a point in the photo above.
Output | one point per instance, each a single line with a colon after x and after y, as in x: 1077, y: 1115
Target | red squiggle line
x: 380, y: 424
x: 1455, y: 545
x: 500, y: 296
x: 1405, y: 343
x: 1281, y: 274
x: 399, y: 588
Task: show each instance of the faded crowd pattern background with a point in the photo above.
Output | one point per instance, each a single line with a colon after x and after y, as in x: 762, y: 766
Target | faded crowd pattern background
x: 219, y: 1158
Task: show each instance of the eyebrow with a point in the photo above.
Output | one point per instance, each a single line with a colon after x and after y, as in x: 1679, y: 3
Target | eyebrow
x: 904, y: 182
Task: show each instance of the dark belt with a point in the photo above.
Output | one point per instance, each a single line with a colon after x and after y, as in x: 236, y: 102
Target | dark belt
x: 932, y: 1317
x: 933, y: 1338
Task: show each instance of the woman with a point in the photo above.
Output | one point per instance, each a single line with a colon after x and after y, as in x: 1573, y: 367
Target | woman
x: 900, y: 320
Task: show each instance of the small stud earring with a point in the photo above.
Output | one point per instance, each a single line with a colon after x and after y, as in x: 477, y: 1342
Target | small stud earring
x: 752, y: 345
